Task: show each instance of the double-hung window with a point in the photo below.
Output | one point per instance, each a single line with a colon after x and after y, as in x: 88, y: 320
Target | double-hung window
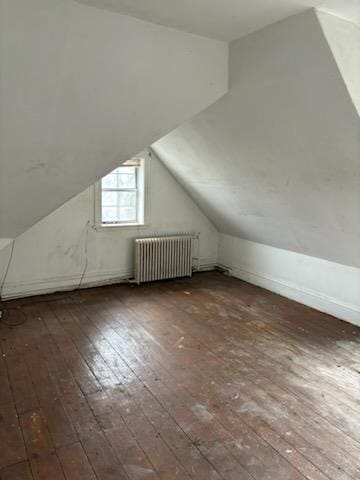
x: 122, y: 195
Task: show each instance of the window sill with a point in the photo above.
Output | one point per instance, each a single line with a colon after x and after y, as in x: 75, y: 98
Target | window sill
x: 125, y: 226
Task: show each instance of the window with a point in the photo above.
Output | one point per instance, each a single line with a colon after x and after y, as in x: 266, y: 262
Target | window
x: 122, y: 195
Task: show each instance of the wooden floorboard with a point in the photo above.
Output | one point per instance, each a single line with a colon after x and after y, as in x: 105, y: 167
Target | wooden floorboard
x: 207, y: 378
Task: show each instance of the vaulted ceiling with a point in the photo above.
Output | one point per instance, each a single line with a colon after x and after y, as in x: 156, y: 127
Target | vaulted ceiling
x: 223, y: 19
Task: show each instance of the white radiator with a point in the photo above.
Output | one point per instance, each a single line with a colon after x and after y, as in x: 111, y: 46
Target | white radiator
x: 158, y: 258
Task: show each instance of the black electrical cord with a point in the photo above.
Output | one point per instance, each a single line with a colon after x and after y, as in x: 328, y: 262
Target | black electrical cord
x: 7, y: 267
x: 5, y: 312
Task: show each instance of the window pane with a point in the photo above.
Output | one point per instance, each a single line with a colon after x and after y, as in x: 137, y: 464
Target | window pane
x: 127, y: 214
x: 110, y: 214
x: 110, y: 181
x: 109, y: 199
x: 127, y: 199
x: 119, y: 196
x: 127, y: 180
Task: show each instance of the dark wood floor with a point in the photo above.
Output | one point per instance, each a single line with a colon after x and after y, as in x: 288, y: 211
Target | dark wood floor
x: 206, y: 379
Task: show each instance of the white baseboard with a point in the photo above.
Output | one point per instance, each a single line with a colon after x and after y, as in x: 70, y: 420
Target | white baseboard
x: 325, y: 286
x: 45, y: 286
x: 206, y: 264
x: 313, y: 299
x: 63, y: 283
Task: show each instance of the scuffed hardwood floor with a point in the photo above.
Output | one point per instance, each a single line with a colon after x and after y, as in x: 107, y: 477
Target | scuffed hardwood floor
x: 206, y: 378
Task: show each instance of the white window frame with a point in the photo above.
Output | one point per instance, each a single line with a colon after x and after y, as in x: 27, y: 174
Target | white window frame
x: 142, y: 201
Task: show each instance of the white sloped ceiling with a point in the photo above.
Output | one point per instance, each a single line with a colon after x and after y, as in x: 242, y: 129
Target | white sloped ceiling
x: 83, y: 89
x: 223, y: 19
x: 277, y: 160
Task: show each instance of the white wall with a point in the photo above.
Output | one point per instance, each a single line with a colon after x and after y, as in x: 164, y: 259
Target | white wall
x: 4, y: 242
x: 277, y: 160
x: 323, y: 285
x: 51, y: 255
x: 83, y: 89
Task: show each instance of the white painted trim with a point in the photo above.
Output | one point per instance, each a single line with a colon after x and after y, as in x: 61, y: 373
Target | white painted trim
x: 63, y: 283
x: 71, y: 282
x: 144, y: 200
x: 311, y: 298
x: 326, y: 286
x: 206, y: 264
